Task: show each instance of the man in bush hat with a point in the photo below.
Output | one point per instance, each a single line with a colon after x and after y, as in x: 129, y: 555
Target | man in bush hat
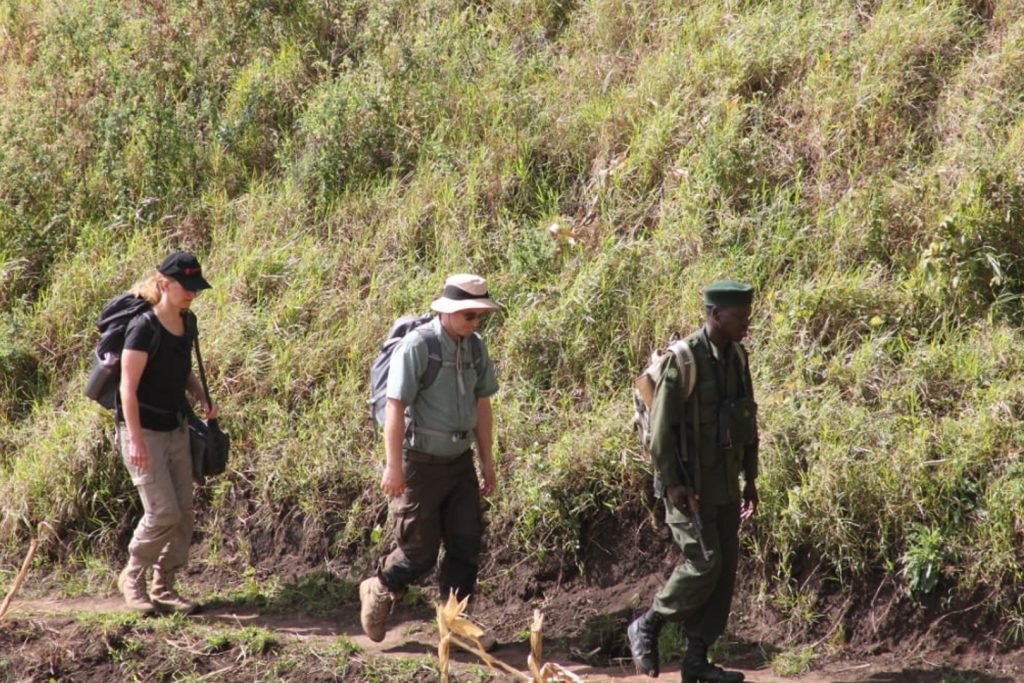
x: 703, y: 437
x: 430, y: 474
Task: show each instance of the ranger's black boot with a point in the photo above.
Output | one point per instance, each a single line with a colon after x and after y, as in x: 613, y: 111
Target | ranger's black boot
x: 643, y: 642
x: 697, y: 668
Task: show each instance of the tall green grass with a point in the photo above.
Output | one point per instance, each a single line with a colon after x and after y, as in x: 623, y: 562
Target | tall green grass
x: 599, y: 162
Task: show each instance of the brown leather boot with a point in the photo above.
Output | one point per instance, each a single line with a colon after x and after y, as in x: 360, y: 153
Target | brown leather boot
x: 132, y: 584
x: 375, y: 602
x: 165, y: 597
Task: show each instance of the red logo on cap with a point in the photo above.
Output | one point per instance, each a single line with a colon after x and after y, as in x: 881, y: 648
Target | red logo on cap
x: 190, y: 271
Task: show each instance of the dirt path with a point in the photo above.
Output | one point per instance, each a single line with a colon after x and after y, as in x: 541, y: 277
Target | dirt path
x: 413, y: 635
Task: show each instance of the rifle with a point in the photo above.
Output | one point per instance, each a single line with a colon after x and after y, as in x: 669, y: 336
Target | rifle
x: 691, y: 500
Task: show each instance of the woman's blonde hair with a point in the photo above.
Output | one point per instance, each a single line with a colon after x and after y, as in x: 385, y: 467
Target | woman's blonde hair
x: 148, y: 288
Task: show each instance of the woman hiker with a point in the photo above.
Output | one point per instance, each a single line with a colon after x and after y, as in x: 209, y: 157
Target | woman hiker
x: 153, y: 432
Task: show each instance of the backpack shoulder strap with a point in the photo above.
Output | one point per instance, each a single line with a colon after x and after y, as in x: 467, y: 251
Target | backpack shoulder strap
x: 192, y: 329
x: 687, y: 369
x: 741, y: 353
x: 149, y: 316
x: 433, y: 355
x: 476, y: 344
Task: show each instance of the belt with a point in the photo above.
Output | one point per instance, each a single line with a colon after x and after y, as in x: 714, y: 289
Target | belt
x: 431, y: 459
x: 454, y: 436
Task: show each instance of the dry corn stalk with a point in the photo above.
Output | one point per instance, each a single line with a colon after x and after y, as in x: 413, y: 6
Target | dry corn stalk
x: 555, y: 673
x: 453, y: 627
x: 454, y: 620
x: 444, y: 644
x: 537, y: 636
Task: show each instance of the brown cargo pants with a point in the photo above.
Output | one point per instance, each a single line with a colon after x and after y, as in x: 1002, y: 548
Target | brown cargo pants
x: 441, y: 505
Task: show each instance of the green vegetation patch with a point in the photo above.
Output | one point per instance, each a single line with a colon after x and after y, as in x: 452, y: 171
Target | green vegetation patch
x: 331, y: 163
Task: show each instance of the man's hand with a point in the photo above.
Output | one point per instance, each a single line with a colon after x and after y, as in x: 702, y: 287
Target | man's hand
x: 393, y: 481
x: 683, y: 498
x: 750, y: 499
x: 488, y: 479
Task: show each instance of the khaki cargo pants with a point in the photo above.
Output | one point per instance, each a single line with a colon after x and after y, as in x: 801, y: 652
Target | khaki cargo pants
x: 441, y: 505
x: 164, y: 534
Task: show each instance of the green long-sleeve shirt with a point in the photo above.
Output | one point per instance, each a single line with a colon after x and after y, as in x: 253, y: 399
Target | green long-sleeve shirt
x: 712, y: 467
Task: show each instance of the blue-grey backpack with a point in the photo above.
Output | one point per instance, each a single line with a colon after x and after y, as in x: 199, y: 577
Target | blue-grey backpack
x: 382, y: 363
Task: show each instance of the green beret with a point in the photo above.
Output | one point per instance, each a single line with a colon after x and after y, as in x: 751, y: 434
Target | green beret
x: 728, y: 293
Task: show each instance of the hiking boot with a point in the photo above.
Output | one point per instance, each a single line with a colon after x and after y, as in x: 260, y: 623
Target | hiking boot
x: 706, y: 672
x: 375, y: 603
x: 697, y: 668
x: 165, y: 597
x: 643, y: 643
x: 132, y: 584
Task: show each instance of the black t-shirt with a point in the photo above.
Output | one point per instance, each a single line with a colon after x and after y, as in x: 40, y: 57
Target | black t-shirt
x: 162, y: 387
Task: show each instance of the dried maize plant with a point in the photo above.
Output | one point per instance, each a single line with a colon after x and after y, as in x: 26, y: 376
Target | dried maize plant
x: 456, y: 629
x: 550, y: 672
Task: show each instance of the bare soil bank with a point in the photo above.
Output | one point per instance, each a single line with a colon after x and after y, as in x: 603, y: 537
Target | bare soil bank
x: 879, y: 636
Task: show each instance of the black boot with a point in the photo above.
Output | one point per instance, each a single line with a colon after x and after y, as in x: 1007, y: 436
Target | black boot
x: 697, y: 668
x: 643, y: 642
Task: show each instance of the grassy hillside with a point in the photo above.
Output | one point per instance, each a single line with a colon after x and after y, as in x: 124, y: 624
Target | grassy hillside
x: 599, y: 161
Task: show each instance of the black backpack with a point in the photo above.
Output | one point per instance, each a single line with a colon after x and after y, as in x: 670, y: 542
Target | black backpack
x: 105, y: 376
x: 382, y: 363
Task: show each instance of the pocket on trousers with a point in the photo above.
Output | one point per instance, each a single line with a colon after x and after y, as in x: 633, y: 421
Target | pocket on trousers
x: 140, y: 477
x: 408, y: 529
x: 403, y: 508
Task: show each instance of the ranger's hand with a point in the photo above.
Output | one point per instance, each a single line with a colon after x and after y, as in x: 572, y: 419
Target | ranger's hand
x: 682, y: 498
x: 393, y: 481
x: 750, y: 499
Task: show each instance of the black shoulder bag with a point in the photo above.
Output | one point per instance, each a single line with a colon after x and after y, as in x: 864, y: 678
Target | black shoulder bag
x: 209, y: 443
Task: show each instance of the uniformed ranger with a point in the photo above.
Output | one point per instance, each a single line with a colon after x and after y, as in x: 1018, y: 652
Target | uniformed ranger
x: 701, y: 443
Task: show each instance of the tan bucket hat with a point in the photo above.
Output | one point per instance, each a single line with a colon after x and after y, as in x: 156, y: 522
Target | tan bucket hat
x: 464, y: 292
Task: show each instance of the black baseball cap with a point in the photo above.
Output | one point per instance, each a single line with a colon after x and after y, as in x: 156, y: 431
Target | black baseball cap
x: 185, y: 268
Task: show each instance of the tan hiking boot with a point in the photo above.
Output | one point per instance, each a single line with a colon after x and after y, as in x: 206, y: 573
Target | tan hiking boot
x: 132, y: 584
x: 164, y: 596
x: 375, y: 603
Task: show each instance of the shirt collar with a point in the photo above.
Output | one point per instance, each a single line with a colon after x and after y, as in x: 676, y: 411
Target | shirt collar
x: 446, y: 341
x: 715, y: 352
